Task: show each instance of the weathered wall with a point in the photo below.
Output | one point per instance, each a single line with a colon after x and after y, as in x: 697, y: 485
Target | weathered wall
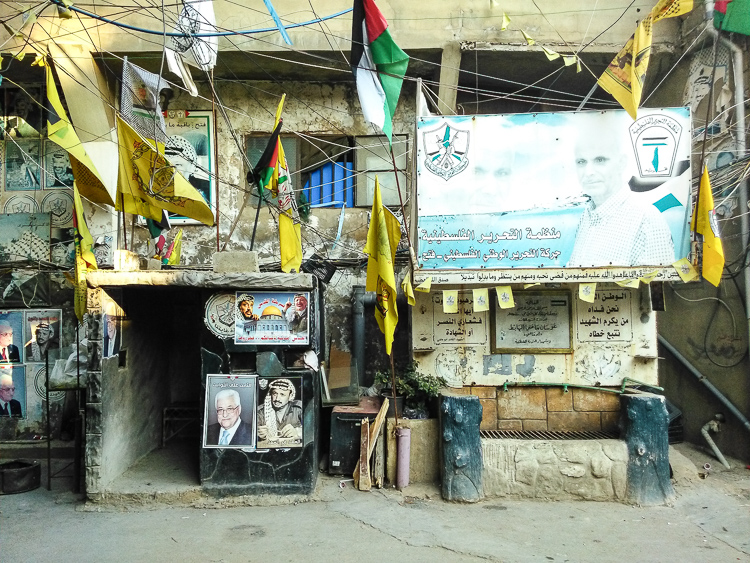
x: 466, y: 359
x: 569, y: 469
x: 708, y: 325
x: 133, y: 397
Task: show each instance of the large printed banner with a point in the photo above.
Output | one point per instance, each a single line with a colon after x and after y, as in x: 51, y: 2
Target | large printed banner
x: 553, y: 190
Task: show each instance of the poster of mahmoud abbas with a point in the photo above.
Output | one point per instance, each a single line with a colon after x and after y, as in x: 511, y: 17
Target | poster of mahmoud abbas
x: 554, y: 190
x: 263, y: 317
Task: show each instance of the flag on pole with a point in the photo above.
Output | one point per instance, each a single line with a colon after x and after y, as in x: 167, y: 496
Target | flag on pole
x: 147, y: 183
x: 704, y: 223
x: 733, y: 16
x: 60, y: 131
x: 383, y: 237
x: 379, y: 65
x: 85, y: 259
x: 172, y: 257
x: 626, y: 74
x: 273, y: 174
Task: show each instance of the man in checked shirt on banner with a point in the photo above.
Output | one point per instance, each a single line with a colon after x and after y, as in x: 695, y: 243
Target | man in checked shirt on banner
x: 617, y: 228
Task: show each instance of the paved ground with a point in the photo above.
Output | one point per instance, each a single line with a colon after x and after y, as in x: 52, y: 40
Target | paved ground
x: 709, y: 521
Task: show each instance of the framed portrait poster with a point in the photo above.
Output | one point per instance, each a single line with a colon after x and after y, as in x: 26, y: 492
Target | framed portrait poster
x: 229, y: 418
x: 271, y: 317
x: 42, y: 335
x: 280, y: 412
x: 13, y: 391
x: 539, y: 323
x: 11, y: 337
x: 190, y: 148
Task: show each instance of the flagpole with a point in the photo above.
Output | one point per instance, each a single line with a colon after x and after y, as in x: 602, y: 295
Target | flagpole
x: 412, y: 256
x: 393, y: 387
x: 708, y: 116
x: 215, y: 177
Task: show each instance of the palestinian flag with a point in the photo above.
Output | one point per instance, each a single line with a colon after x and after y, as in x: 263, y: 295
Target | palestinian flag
x: 379, y: 65
x: 272, y: 174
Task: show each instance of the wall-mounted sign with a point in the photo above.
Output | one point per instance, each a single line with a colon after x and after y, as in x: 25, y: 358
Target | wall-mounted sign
x: 264, y: 317
x: 553, y: 190
x: 229, y: 418
x: 540, y: 322
x: 466, y: 327
x: 190, y: 149
x: 219, y: 315
x: 608, y: 319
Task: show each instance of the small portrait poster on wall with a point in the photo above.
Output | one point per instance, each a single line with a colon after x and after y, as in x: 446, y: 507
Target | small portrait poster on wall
x: 11, y: 337
x: 229, y: 418
x: 42, y: 335
x: 271, y: 318
x: 13, y: 391
x: 280, y: 412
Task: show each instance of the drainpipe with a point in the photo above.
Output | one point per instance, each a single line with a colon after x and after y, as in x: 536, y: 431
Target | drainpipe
x: 358, y: 331
x: 741, y: 144
x: 713, y: 425
x: 711, y: 387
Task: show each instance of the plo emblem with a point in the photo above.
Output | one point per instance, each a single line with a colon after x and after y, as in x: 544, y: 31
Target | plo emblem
x: 219, y: 315
x: 60, y: 207
x: 655, y: 139
x: 446, y: 150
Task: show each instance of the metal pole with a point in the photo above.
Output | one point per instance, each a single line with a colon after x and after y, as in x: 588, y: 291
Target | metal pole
x: 49, y: 426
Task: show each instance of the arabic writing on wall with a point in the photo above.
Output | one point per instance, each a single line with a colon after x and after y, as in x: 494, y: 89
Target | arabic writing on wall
x: 464, y: 327
x: 540, y: 320
x: 608, y: 319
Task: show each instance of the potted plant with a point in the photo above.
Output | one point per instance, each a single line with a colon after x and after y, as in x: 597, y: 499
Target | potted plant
x: 416, y: 392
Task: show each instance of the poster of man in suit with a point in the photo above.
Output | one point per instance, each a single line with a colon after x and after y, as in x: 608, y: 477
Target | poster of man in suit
x: 11, y: 337
x: 229, y: 419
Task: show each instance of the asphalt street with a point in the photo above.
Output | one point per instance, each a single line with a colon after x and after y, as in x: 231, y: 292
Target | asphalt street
x: 708, y: 521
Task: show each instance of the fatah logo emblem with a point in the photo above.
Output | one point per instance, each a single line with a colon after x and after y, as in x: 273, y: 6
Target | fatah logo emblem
x: 446, y: 151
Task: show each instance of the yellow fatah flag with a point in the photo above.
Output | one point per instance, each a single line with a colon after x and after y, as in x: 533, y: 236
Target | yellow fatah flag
x: 290, y: 233
x: 85, y: 259
x: 481, y: 299
x: 61, y: 132
x: 408, y: 291
x: 626, y: 74
x: 450, y: 301
x: 383, y: 237
x: 147, y: 183
x: 176, y: 250
x: 505, y: 297
x: 587, y: 292
x: 704, y: 223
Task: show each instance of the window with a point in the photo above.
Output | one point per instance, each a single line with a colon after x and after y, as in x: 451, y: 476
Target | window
x: 333, y: 171
x: 374, y: 159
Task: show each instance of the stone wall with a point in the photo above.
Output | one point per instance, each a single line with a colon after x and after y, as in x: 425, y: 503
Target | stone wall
x: 555, y: 470
x: 547, y: 408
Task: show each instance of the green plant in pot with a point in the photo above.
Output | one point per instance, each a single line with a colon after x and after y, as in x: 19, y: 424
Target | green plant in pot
x: 418, y: 390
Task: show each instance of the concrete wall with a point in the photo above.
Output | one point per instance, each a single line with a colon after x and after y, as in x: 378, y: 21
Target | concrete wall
x: 468, y: 360
x: 133, y: 397
x: 560, y: 470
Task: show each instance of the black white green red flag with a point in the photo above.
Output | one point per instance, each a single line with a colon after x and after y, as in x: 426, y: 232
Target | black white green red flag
x: 379, y: 65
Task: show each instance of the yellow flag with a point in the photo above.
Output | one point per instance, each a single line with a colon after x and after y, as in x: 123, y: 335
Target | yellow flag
x: 176, y: 250
x: 408, y: 291
x: 505, y: 297
x: 383, y: 237
x: 450, y: 301
x: 85, y: 259
x: 685, y: 270
x: 633, y: 284
x: 61, y: 132
x: 625, y: 75
x: 290, y: 233
x: 425, y: 286
x: 481, y: 299
x: 704, y: 223
x: 587, y: 292
x: 147, y: 183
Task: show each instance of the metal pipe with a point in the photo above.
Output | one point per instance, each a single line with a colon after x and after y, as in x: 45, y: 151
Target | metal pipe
x: 738, y: 67
x: 563, y: 385
x: 702, y: 378
x: 714, y: 426
x: 403, y: 447
x: 358, y: 331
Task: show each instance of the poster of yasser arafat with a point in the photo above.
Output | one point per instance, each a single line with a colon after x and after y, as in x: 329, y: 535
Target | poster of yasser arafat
x: 263, y: 317
x: 553, y: 190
